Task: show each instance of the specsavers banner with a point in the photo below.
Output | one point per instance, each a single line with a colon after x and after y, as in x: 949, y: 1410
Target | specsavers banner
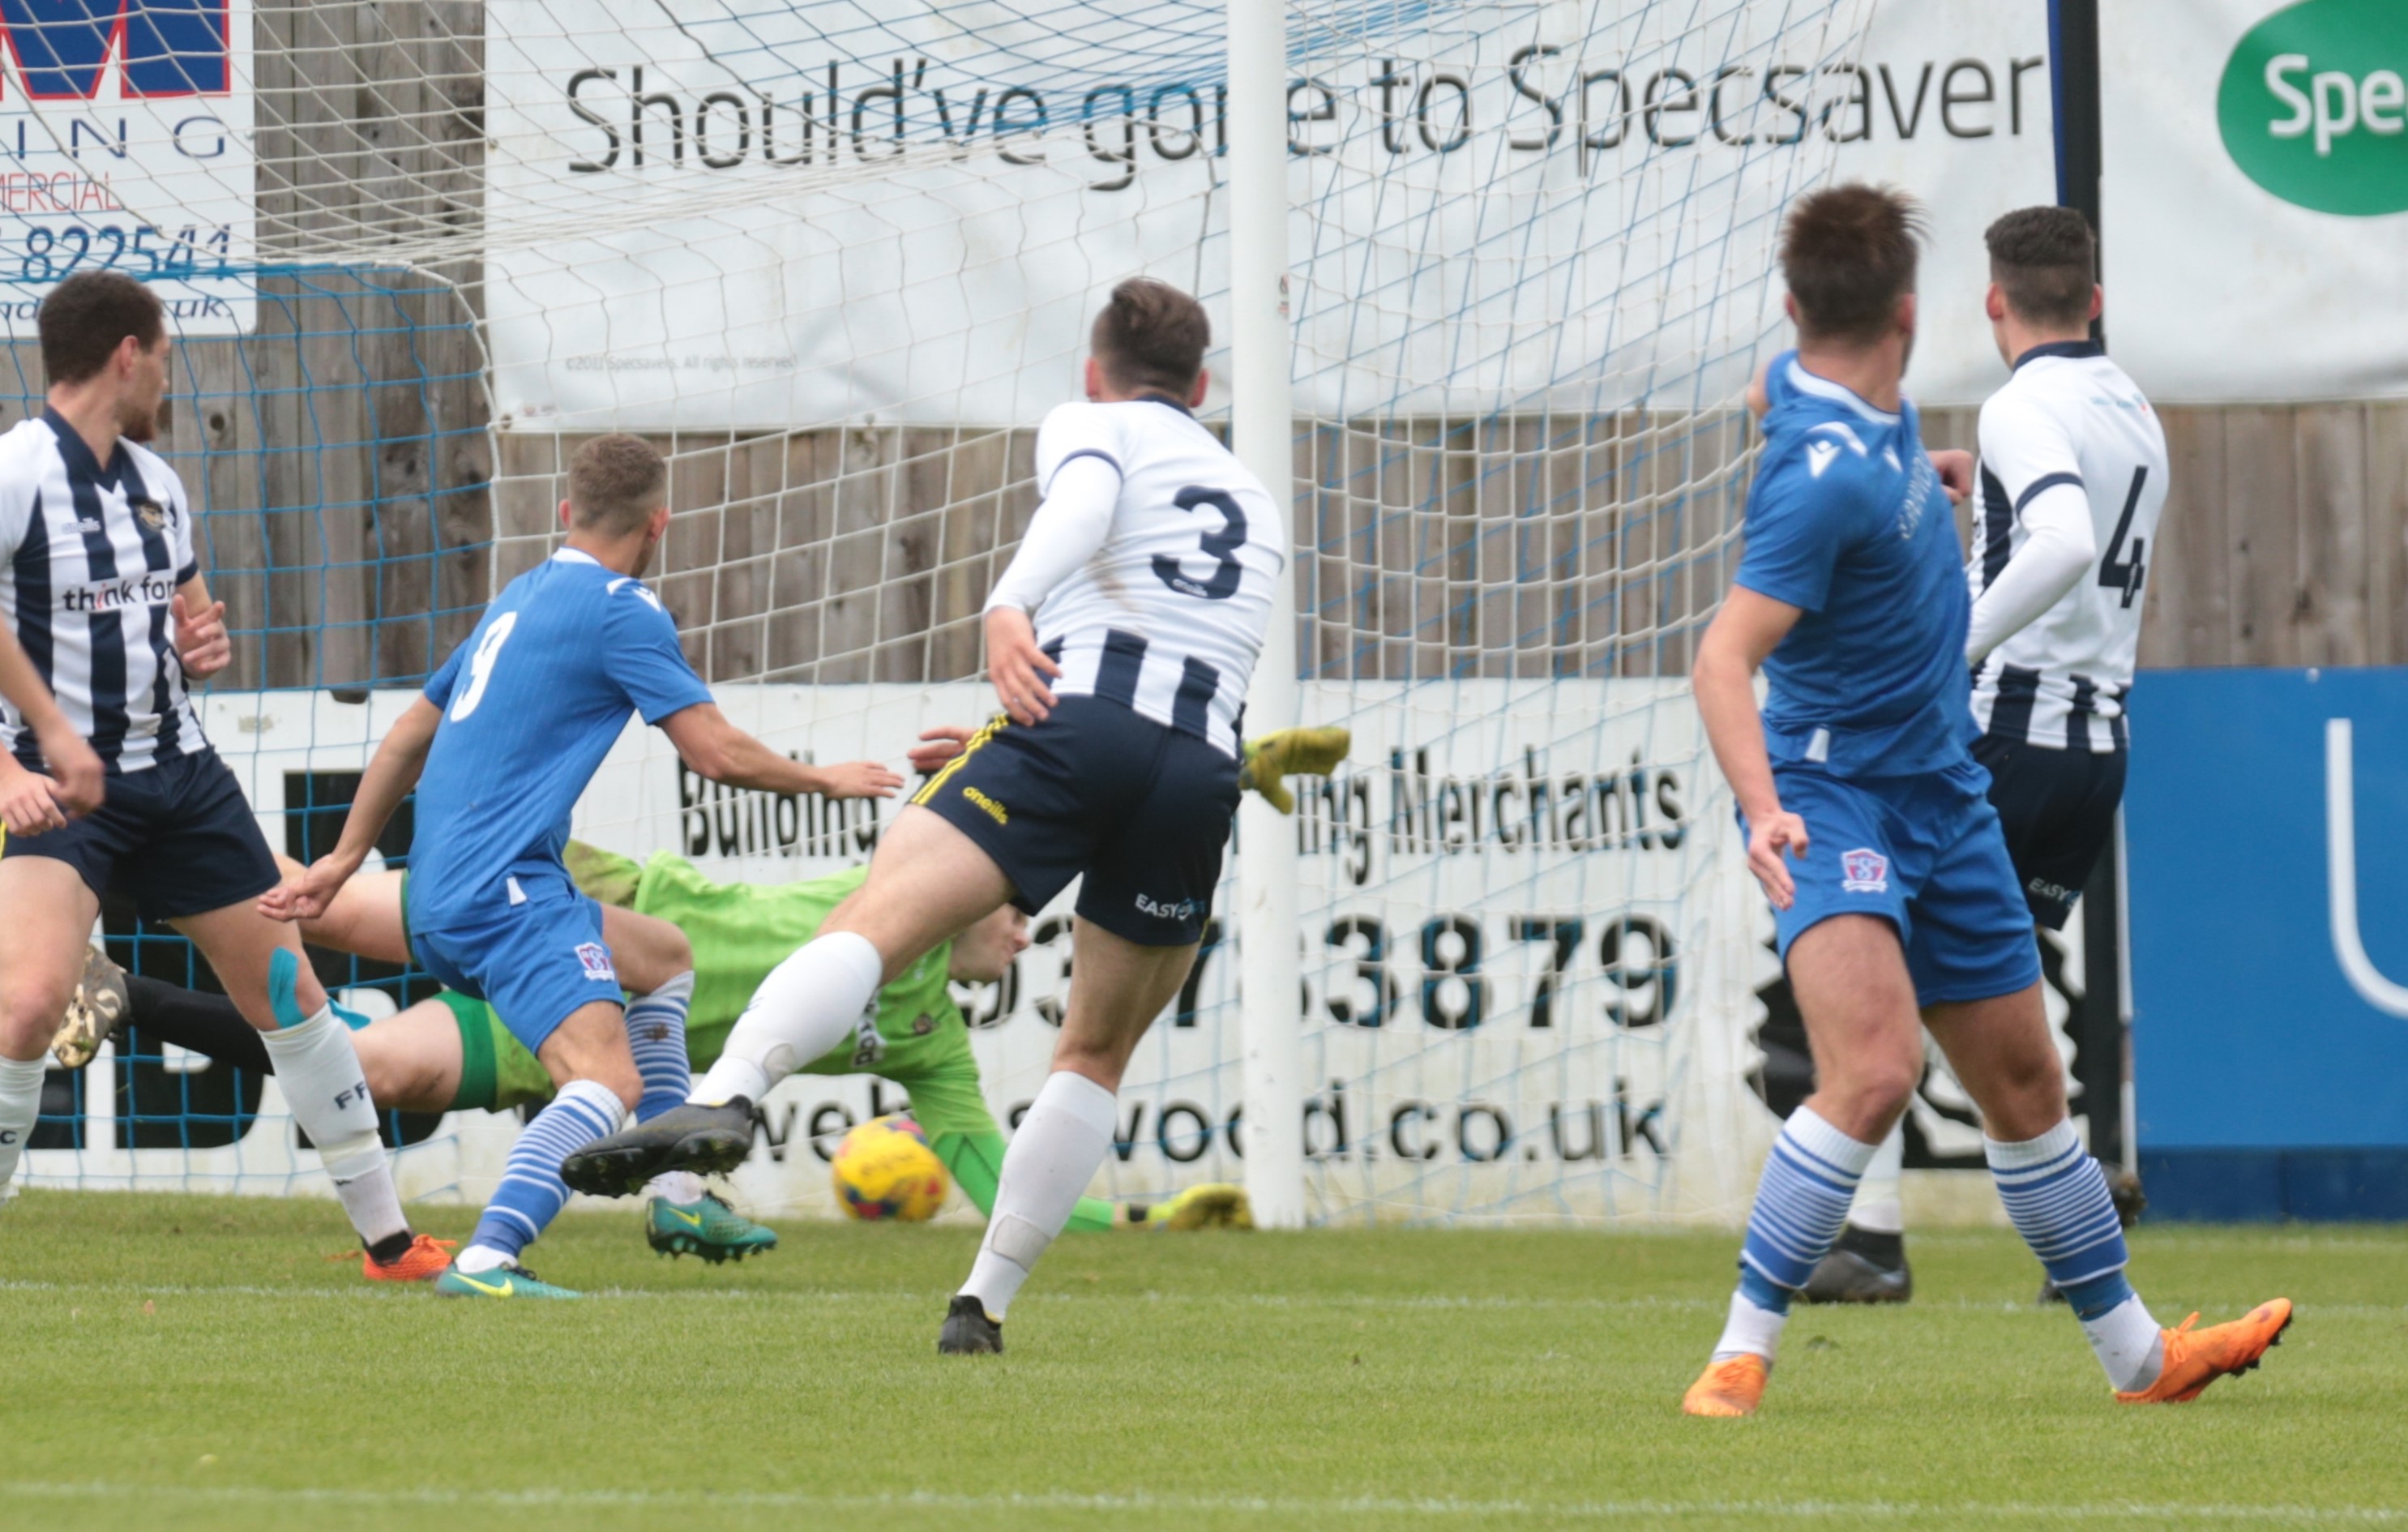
x: 2255, y: 197
x: 796, y: 213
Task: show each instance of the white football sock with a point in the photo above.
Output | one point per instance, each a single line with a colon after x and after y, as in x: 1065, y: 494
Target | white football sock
x: 21, y: 1102
x: 1750, y: 1328
x: 476, y: 1258
x: 676, y: 1185
x: 319, y: 1073
x: 807, y: 1006
x: 1878, y: 1208
x: 1051, y: 1158
x: 2129, y: 1345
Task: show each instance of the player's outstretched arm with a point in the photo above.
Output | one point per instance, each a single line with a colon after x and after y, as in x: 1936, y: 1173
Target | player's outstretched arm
x: 305, y: 894
x: 1734, y: 645
x: 30, y: 802
x: 717, y: 748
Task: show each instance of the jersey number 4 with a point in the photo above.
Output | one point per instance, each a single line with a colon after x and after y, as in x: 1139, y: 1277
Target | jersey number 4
x: 2115, y: 572
x: 1222, y: 584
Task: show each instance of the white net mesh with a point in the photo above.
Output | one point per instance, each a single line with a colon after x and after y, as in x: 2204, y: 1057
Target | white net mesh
x: 837, y: 257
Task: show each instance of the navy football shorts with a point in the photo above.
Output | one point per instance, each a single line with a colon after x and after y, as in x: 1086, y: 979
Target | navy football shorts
x: 2057, y: 808
x: 1141, y: 809
x: 536, y: 963
x: 179, y: 837
x: 1925, y: 854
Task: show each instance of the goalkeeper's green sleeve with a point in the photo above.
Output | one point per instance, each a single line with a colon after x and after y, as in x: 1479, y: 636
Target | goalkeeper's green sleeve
x: 975, y: 1161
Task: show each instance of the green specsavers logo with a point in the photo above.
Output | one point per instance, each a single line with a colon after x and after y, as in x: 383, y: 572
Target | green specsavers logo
x: 2314, y: 105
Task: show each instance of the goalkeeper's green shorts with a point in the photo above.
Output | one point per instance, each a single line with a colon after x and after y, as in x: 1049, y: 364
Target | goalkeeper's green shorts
x: 940, y: 1074
x: 496, y: 1071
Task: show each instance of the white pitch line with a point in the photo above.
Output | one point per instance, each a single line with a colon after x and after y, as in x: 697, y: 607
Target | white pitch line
x: 1453, y: 1302
x: 687, y: 1501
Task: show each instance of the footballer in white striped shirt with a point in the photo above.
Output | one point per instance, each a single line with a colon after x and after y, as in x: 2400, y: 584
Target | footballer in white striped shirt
x: 1120, y: 641
x: 104, y: 617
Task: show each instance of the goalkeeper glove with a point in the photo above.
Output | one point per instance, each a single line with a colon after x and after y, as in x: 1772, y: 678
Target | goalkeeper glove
x: 1307, y: 753
x: 1215, y: 1205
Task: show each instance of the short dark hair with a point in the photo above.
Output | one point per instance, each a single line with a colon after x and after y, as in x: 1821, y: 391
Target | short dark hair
x: 1151, y: 336
x: 1849, y: 253
x: 615, y: 483
x: 2046, y: 260
x: 88, y: 316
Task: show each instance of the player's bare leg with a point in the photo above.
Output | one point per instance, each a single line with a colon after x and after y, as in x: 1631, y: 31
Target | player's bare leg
x: 259, y: 962
x: 1117, y: 988
x: 46, y: 918
x: 365, y: 917
x: 412, y: 1060
x: 927, y: 882
x: 1849, y: 973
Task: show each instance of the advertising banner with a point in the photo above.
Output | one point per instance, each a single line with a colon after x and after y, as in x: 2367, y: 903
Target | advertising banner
x: 2255, y: 197
x: 810, y: 213
x: 2265, y: 815
x: 149, y: 172
x: 1526, y: 986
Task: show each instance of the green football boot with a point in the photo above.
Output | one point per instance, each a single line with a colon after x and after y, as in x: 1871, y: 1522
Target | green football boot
x: 707, y: 1228
x: 501, y: 1281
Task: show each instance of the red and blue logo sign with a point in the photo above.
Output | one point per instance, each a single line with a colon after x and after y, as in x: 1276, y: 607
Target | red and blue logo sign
x: 168, y: 48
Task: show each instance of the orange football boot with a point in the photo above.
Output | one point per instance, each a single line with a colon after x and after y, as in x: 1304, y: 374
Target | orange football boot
x: 2196, y: 1358
x: 1729, y: 1388
x: 422, y: 1262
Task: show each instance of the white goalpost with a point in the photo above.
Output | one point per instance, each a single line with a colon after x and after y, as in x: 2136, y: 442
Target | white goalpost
x: 1487, y: 282
x: 1261, y: 429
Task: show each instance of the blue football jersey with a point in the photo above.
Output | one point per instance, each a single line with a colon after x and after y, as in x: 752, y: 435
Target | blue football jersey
x: 532, y: 702
x: 1848, y: 522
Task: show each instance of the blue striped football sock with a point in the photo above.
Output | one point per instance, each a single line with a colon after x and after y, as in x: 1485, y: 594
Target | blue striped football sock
x: 656, y: 1034
x: 532, y: 1193
x: 2057, y: 1199
x: 1801, y: 1205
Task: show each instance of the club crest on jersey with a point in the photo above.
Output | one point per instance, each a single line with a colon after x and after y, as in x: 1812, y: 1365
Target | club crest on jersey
x: 150, y: 512
x: 1864, y: 871
x: 596, y: 959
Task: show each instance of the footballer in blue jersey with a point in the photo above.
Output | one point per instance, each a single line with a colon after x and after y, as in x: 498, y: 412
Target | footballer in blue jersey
x: 504, y: 738
x: 1869, y: 825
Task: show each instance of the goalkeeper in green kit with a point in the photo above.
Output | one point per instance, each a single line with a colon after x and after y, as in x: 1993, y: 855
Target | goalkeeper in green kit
x: 451, y: 1053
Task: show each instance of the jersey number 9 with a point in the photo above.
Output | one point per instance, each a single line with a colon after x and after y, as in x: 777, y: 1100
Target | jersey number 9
x: 1223, y: 582
x: 481, y: 665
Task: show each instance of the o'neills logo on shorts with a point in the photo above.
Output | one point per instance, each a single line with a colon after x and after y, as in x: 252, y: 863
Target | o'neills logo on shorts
x: 1864, y: 871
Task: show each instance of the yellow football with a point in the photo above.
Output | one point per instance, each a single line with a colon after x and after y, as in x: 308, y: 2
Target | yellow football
x: 884, y: 1169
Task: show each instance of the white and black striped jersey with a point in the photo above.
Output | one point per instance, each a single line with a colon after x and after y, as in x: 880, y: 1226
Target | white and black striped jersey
x: 1165, y: 611
x: 89, y: 558
x: 2069, y: 436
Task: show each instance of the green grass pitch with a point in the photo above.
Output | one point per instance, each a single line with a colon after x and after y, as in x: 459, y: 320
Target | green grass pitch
x: 199, y: 1364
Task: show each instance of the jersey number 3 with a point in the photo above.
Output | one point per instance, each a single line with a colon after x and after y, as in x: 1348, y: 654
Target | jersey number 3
x: 2117, y: 572
x: 1222, y: 581
x: 481, y: 665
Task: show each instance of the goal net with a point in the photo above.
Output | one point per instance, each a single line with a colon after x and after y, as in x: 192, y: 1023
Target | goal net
x: 837, y: 258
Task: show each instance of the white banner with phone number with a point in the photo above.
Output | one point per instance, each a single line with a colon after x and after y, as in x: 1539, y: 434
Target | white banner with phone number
x: 126, y: 145
x: 1527, y: 981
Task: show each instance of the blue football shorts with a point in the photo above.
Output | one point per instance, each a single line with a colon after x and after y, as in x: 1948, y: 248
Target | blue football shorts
x: 535, y: 963
x: 1143, y: 810
x: 1926, y: 854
